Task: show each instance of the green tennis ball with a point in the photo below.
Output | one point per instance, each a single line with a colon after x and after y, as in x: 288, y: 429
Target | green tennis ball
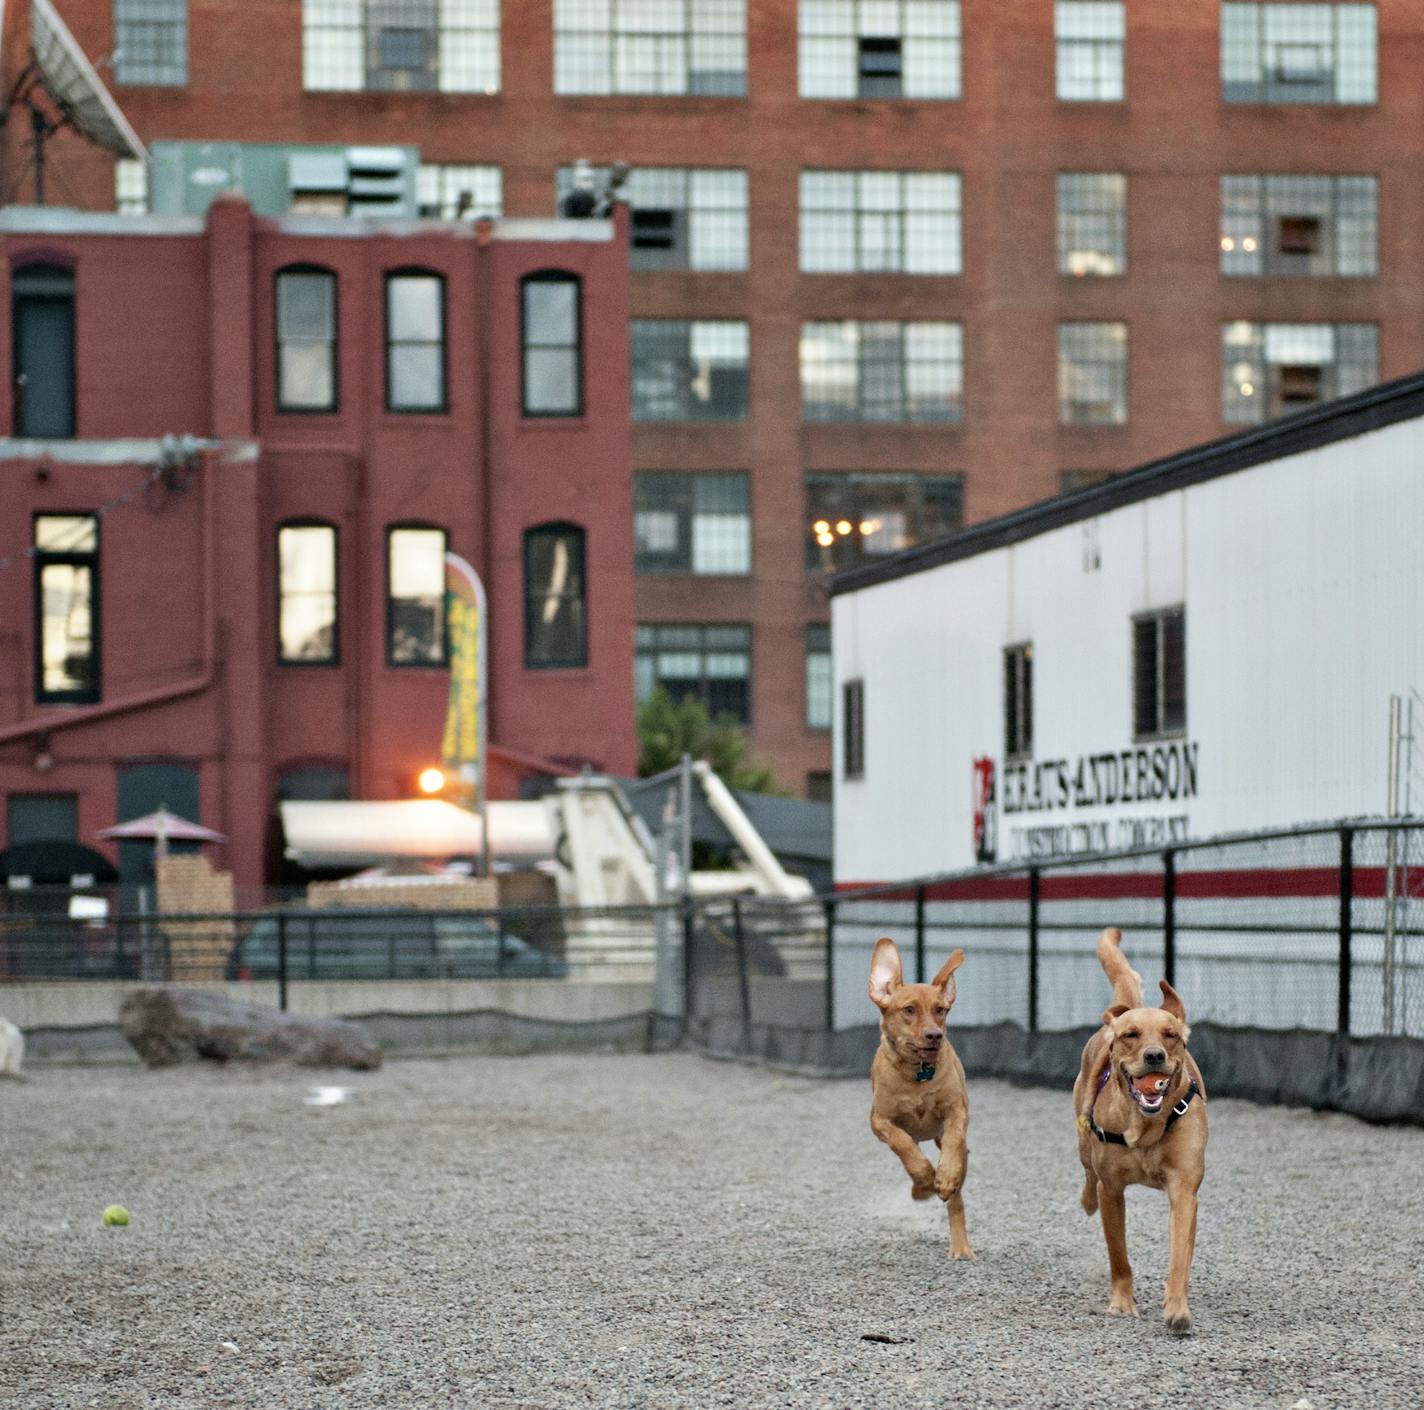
x: 115, y: 1214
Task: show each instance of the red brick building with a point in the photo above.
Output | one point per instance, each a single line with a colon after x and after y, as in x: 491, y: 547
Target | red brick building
x: 257, y: 612
x: 896, y: 265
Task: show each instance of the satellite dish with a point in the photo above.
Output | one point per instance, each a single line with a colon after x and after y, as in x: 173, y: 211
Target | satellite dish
x: 59, y: 68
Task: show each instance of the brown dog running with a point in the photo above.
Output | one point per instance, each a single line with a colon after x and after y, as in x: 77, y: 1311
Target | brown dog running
x: 917, y: 1083
x: 1141, y: 1109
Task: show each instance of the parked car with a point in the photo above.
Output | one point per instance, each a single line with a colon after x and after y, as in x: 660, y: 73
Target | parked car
x: 338, y: 944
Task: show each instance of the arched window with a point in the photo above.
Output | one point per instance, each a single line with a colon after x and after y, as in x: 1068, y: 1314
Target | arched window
x: 306, y: 339
x: 415, y: 341
x: 42, y: 324
x: 307, y: 599
x: 555, y: 598
x: 551, y: 332
x: 415, y: 595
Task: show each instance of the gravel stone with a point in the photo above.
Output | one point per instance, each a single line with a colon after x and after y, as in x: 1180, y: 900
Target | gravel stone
x: 665, y: 1231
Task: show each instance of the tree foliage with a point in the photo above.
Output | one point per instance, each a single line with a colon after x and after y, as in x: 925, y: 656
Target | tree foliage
x: 668, y: 729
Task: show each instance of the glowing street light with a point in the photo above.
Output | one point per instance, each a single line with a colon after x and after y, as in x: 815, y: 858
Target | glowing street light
x: 431, y: 780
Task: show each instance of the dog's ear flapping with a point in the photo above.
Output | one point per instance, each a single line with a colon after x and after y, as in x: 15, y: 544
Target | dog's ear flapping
x: 1172, y: 1002
x: 1111, y: 1016
x: 944, y: 980
x: 884, y: 971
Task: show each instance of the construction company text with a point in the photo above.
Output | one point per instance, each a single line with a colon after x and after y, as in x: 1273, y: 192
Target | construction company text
x: 1147, y: 774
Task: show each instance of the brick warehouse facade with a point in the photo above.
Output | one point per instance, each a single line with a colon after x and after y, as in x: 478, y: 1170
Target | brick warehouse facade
x: 1032, y: 99
x: 260, y: 615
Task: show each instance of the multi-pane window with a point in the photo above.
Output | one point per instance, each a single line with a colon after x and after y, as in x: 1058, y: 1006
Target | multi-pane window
x: 1299, y: 225
x: 1269, y: 369
x: 856, y: 518
x: 693, y: 47
x: 881, y: 222
x: 151, y: 42
x: 820, y: 686
x: 692, y: 523
x: 878, y: 48
x: 400, y: 45
x: 1091, y: 37
x: 455, y: 191
x: 1159, y: 673
x: 306, y: 340
x: 853, y: 729
x: 1294, y: 53
x: 555, y: 601
x: 713, y: 663
x: 1018, y: 701
x: 415, y: 596
x: 1092, y: 374
x: 66, y: 578
x: 680, y: 217
x: 689, y: 371
x: 1092, y: 222
x: 415, y: 342
x: 130, y: 186
x: 306, y: 594
x: 551, y: 332
x: 42, y: 334
x: 882, y: 371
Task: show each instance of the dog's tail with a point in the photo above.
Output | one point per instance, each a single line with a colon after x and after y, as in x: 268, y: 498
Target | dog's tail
x: 1126, y: 981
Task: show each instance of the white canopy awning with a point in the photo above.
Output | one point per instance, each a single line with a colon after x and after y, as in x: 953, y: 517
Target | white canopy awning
x: 346, y: 834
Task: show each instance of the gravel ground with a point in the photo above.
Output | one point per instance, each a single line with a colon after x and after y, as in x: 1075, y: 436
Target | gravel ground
x: 664, y: 1231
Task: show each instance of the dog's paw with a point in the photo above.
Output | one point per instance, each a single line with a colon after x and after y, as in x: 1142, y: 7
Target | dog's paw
x: 922, y: 1186
x: 961, y: 1251
x: 1123, y: 1307
x: 948, y: 1184
x: 1178, y: 1319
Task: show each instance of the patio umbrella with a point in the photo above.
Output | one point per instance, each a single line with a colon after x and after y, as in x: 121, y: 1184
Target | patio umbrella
x: 161, y: 828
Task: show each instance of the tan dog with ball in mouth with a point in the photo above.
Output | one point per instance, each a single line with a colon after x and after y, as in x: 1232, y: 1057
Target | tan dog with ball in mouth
x: 917, y: 1083
x: 1141, y: 1110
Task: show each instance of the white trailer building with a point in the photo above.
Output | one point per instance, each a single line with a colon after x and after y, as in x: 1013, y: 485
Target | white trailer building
x: 1207, y: 644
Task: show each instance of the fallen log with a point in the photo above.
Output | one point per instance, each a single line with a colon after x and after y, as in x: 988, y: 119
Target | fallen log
x: 167, y: 1025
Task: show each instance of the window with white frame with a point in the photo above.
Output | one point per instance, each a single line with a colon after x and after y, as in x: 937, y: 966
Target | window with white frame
x: 1018, y: 701
x: 1091, y: 39
x: 151, y: 42
x: 680, y: 217
x: 698, y: 523
x: 878, y: 48
x: 882, y: 371
x: 459, y: 191
x: 689, y: 371
x: 673, y: 47
x: 1315, y: 226
x: 882, y: 222
x: 820, y: 685
x: 711, y: 663
x: 130, y: 186
x: 400, y: 45
x: 1269, y: 369
x: 1159, y: 673
x: 1092, y: 374
x: 1092, y: 223
x: 1298, y: 53
x: 854, y: 518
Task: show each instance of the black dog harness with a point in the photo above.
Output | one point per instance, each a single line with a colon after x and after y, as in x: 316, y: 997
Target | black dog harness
x: 1116, y: 1138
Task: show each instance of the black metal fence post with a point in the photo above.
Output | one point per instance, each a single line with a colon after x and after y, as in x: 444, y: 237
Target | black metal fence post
x: 1347, y: 923
x: 830, y: 909
x: 1033, y: 949
x: 282, y: 960
x: 920, y: 934
x: 1169, y: 916
x: 743, y: 983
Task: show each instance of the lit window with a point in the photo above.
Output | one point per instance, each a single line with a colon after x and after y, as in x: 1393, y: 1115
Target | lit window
x: 1269, y: 369
x: 712, y: 663
x: 401, y: 45
x: 415, y: 342
x: 451, y: 191
x: 66, y: 585
x: 695, y: 47
x: 1293, y: 225
x: 820, y: 687
x: 1298, y: 53
x: 882, y: 371
x: 1092, y: 374
x: 1159, y: 673
x: 415, y: 602
x: 905, y: 222
x: 1018, y: 701
x: 857, y: 518
x: 1091, y: 37
x: 130, y: 186
x: 878, y: 48
x: 555, y: 621
x: 552, y: 333
x: 689, y: 371
x: 42, y: 325
x: 151, y: 42
x: 692, y: 523
x: 306, y: 594
x: 306, y: 340
x: 1092, y: 223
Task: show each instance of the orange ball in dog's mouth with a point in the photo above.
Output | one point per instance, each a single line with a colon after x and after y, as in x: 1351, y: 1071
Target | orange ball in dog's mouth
x: 1148, y: 1091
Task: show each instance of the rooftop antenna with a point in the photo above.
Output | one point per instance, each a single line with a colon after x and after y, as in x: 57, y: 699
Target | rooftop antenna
x: 59, y: 72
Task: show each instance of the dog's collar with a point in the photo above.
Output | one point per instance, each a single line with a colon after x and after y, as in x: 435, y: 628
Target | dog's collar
x: 924, y: 1072
x: 1116, y: 1138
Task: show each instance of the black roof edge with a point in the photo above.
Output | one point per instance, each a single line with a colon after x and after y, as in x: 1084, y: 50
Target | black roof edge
x: 1371, y: 410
